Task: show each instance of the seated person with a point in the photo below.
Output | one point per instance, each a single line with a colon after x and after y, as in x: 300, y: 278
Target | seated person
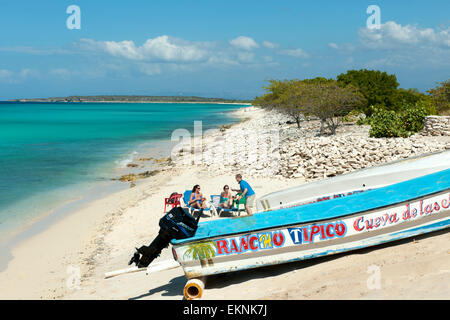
x: 226, y: 200
x: 196, y: 199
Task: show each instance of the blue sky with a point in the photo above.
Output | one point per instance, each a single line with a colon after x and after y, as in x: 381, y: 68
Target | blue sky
x: 213, y: 48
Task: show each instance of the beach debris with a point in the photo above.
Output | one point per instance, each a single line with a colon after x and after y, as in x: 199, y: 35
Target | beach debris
x: 132, y: 177
x: 132, y: 165
x: 163, y: 159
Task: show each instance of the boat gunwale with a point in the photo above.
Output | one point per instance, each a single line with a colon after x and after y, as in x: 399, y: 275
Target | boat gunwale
x: 327, y: 204
x: 329, y: 219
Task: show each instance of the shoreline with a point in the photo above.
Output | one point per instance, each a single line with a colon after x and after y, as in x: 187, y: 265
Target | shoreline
x: 171, y: 102
x: 89, y: 193
x: 109, y: 228
x: 149, y: 155
x: 68, y: 213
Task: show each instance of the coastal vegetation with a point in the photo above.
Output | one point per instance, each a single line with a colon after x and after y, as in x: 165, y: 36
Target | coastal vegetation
x: 441, y: 97
x: 367, y: 96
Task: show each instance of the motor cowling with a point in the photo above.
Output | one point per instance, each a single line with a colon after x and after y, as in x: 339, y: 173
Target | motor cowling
x: 176, y: 224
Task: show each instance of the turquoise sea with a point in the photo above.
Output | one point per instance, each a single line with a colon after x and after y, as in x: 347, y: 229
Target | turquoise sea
x: 49, y: 150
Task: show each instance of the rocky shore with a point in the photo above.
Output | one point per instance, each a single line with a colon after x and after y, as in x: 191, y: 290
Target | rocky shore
x: 273, y: 154
x: 267, y: 144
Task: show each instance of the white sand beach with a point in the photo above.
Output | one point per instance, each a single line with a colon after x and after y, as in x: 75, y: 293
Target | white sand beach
x: 101, y: 237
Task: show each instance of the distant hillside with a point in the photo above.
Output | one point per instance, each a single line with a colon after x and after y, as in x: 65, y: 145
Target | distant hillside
x: 108, y: 98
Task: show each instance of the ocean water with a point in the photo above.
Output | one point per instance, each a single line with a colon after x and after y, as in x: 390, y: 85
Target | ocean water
x: 50, y: 151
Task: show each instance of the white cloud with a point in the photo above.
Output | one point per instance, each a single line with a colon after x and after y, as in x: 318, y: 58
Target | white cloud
x: 270, y: 45
x: 5, y: 75
x: 392, y: 35
x: 9, y: 76
x: 297, y: 53
x: 246, y: 57
x: 245, y: 43
x: 167, y: 54
x: 159, y: 49
x: 333, y: 45
x: 150, y: 69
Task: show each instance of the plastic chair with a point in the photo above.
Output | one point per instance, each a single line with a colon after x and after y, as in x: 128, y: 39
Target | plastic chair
x: 215, y: 201
x: 187, y: 196
x: 238, y: 203
x: 173, y: 200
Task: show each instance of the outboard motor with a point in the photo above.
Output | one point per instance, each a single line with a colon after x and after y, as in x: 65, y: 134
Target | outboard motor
x: 176, y: 224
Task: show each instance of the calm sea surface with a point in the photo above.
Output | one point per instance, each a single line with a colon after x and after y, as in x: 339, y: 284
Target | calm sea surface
x: 48, y: 149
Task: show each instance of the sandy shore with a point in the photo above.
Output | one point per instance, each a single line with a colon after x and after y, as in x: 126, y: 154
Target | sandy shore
x: 68, y: 260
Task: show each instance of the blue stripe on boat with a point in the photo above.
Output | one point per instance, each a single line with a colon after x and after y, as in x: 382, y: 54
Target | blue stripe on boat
x: 339, y: 207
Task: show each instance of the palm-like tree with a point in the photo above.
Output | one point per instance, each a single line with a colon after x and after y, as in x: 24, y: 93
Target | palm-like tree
x: 202, y: 251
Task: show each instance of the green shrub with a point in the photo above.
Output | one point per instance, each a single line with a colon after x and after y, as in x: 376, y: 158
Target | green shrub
x: 388, y: 123
x: 362, y: 121
x: 413, y: 118
x: 367, y: 120
x: 385, y: 123
x: 352, y: 116
x: 428, y: 104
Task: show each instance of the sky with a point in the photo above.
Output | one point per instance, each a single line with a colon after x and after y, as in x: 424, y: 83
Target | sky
x: 227, y: 49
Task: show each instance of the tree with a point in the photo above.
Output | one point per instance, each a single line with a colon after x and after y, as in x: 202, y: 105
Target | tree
x: 329, y: 101
x: 287, y: 96
x: 441, y: 97
x: 295, y: 100
x: 324, y: 98
x: 406, y: 97
x: 271, y: 99
x: 378, y: 88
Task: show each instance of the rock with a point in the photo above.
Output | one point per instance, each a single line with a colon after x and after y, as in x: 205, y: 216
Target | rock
x: 300, y: 152
x: 132, y: 165
x: 436, y: 126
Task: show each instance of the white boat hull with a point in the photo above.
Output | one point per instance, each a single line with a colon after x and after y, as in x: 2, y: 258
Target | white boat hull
x: 345, y: 226
x: 355, y: 182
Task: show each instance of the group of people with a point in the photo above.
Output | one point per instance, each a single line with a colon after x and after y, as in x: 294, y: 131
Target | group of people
x: 226, y: 199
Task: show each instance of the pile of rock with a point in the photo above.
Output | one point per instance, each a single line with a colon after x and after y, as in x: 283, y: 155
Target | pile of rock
x: 330, y: 156
x: 269, y: 144
x: 436, y: 126
x: 250, y: 147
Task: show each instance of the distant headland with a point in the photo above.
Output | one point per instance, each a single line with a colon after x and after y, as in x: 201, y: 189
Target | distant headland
x: 134, y: 99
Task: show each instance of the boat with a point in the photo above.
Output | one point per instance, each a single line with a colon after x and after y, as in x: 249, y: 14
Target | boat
x: 364, y: 208
x: 355, y: 182
x: 384, y: 212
